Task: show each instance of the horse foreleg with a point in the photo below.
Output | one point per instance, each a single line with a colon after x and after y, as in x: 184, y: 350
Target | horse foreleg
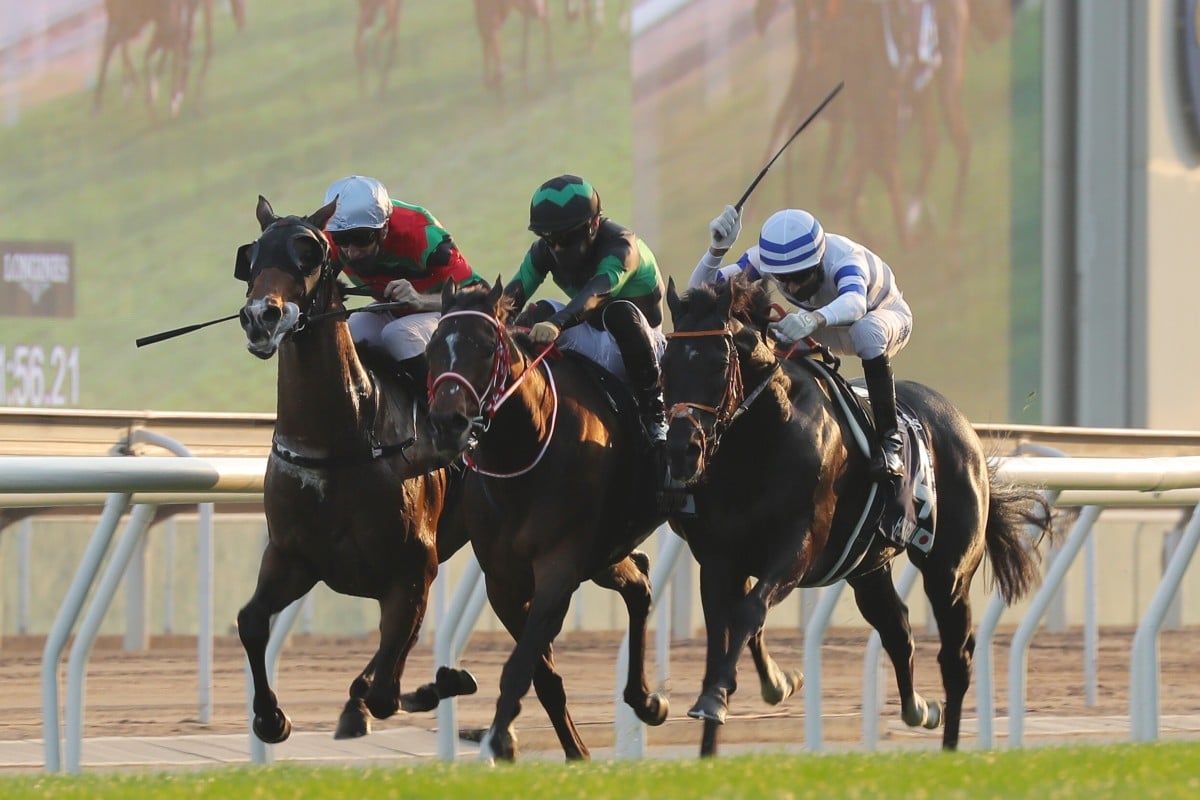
x: 548, y: 685
x: 400, y: 616
x: 776, y: 685
x: 720, y: 590
x: 281, y: 581
x: 883, y: 609
x: 354, y: 721
x: 631, y: 579
x: 534, y: 632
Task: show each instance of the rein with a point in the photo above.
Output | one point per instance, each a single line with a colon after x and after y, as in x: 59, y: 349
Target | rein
x: 498, y: 391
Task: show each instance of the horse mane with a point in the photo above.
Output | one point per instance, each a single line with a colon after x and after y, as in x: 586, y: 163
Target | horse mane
x: 751, y: 302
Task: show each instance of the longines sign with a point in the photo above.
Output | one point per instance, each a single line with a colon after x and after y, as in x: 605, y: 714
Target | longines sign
x: 37, y: 279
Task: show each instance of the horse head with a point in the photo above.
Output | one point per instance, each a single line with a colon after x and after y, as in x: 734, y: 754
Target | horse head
x: 718, y: 347
x: 469, y: 365
x: 288, y: 275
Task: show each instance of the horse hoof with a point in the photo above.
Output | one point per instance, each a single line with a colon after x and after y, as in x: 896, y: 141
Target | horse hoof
x: 353, y: 725
x: 786, y: 684
x: 933, y: 719
x: 656, y: 709
x: 273, y: 728
x: 709, y: 708
x: 425, y: 698
x: 452, y: 682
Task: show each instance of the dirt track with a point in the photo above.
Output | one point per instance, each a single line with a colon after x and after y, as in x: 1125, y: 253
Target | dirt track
x: 155, y: 693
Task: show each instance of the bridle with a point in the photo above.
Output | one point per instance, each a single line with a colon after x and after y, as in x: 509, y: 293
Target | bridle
x: 317, y: 294
x: 500, y: 387
x: 734, y: 401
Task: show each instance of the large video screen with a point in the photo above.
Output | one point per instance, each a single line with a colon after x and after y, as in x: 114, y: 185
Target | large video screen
x: 138, y: 134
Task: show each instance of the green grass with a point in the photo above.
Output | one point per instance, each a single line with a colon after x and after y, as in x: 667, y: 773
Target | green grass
x: 1170, y: 770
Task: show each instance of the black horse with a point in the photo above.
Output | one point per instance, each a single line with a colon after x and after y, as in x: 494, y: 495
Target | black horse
x: 349, y: 496
x: 559, y: 493
x: 782, y: 488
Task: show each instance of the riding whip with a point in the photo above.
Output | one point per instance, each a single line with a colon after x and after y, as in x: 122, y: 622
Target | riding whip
x: 171, y: 334
x: 803, y: 125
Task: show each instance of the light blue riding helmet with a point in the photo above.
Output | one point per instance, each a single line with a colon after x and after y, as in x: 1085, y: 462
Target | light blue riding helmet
x: 790, y: 241
x: 362, y: 203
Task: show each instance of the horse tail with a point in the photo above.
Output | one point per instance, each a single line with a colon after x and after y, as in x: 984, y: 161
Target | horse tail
x: 1014, y: 556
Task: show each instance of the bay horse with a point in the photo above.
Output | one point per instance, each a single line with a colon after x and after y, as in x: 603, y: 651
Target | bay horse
x: 781, y: 486
x: 352, y: 496
x: 559, y: 492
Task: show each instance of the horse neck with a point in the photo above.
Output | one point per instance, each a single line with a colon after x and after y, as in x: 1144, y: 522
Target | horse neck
x: 323, y: 387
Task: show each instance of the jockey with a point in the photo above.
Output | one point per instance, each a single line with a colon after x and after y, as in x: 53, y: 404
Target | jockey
x: 848, y: 300
x: 615, y: 313
x: 403, y: 255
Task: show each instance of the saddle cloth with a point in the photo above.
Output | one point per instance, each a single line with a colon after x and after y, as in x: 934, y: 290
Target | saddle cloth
x: 906, y: 515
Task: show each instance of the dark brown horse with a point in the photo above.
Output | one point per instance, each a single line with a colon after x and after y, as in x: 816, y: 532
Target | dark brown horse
x: 490, y: 16
x: 347, y: 497
x: 559, y: 493
x: 382, y: 48
x: 781, y: 486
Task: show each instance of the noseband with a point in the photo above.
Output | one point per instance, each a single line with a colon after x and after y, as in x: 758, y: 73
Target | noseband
x: 497, y: 391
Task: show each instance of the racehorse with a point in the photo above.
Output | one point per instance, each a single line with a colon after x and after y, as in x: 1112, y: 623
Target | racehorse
x: 558, y: 493
x: 384, y: 46
x: 490, y: 16
x: 782, y: 494
x: 172, y: 26
x: 347, y: 496
x: 858, y: 40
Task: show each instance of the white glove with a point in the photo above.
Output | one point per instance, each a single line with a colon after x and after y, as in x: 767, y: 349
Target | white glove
x: 795, y: 327
x: 724, y: 229
x: 544, y: 333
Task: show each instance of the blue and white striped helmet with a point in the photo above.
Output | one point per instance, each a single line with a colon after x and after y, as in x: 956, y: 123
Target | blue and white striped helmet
x: 791, y: 241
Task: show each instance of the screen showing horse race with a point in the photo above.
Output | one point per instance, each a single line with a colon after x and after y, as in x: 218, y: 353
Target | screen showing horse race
x: 138, y: 135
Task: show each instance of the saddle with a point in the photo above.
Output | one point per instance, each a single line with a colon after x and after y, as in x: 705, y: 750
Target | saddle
x: 904, y: 513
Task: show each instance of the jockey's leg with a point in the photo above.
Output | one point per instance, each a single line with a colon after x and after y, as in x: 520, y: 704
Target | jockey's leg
x: 881, y: 388
x: 632, y: 334
x: 405, y: 339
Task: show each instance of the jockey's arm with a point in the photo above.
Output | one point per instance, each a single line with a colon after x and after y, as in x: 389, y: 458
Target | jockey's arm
x: 590, y: 297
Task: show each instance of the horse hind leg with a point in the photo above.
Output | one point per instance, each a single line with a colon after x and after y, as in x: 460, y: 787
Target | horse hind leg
x: 883, y: 609
x: 631, y: 579
x: 281, y: 581
x: 949, y: 598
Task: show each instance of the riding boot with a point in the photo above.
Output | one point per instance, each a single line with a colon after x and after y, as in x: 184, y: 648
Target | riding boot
x: 415, y: 372
x: 886, y: 462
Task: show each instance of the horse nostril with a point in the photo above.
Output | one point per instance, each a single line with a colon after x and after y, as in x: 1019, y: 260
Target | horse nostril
x: 272, y: 314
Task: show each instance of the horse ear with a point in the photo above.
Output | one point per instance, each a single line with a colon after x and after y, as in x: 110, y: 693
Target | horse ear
x: 673, y: 301
x: 495, y: 295
x: 725, y: 300
x: 321, y: 216
x: 449, y: 290
x: 266, y: 215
